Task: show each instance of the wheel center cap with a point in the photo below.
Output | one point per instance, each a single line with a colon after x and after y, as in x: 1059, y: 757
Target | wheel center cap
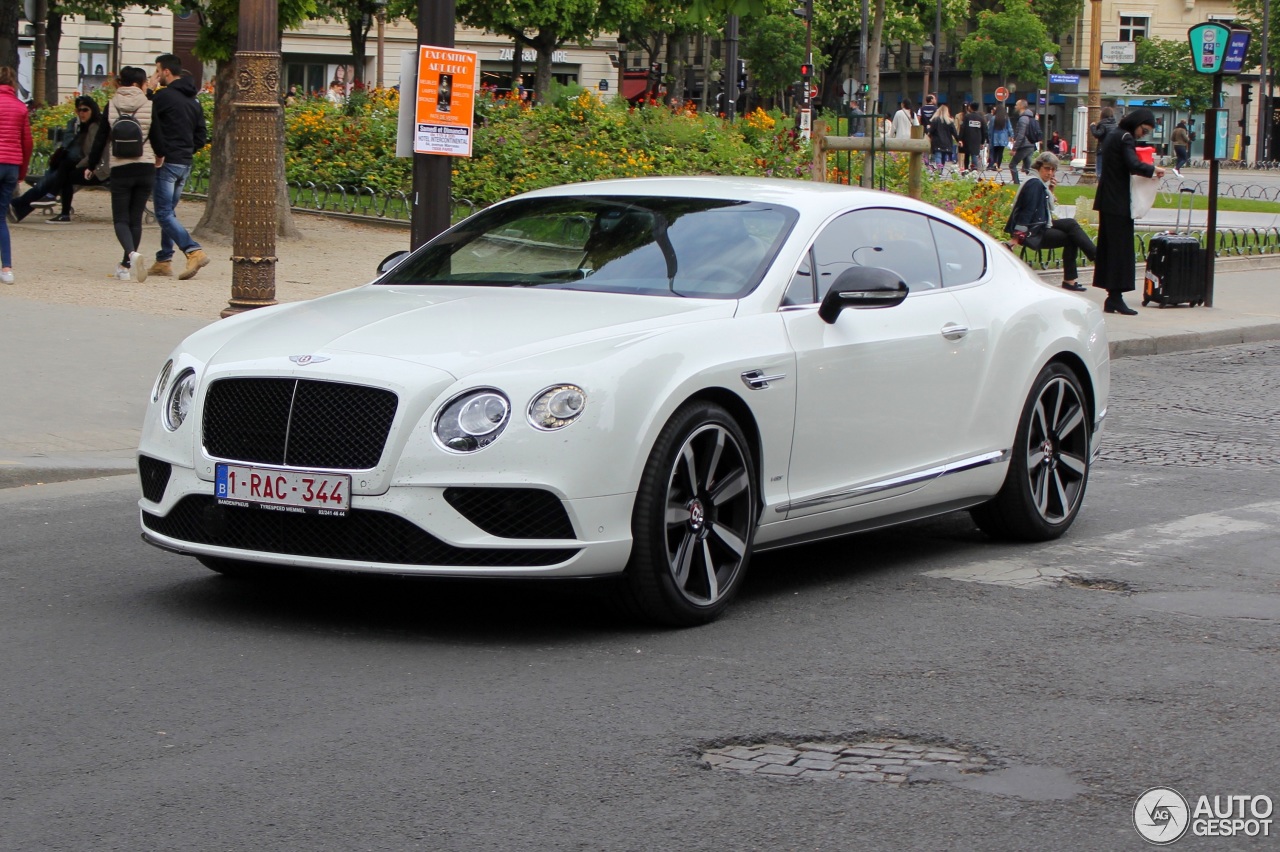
x: 697, y: 515
x: 1047, y: 449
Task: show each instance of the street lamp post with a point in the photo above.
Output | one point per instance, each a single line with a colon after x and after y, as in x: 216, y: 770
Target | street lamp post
x: 257, y: 158
x: 1090, y: 174
x: 381, y: 16
x: 927, y: 51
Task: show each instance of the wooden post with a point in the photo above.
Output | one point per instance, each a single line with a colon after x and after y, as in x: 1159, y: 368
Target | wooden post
x: 818, y: 169
x: 915, y: 168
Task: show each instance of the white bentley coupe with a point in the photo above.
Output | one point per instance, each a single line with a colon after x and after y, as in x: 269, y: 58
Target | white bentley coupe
x: 648, y: 378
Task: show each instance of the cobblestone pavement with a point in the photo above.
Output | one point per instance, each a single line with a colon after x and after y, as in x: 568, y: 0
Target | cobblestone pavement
x: 1213, y: 408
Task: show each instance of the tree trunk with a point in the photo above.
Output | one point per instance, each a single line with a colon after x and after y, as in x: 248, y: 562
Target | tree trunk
x: 977, y: 94
x: 904, y: 76
x: 358, y: 27
x: 706, y: 70
x: 9, y: 33
x: 517, y: 61
x: 52, y: 37
x: 220, y: 203
x: 545, y: 45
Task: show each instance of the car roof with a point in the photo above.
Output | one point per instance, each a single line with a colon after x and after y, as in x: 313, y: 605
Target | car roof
x: 807, y: 196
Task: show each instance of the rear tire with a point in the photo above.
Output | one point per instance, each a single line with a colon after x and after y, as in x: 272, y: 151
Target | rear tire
x: 694, y: 519
x: 1049, y: 469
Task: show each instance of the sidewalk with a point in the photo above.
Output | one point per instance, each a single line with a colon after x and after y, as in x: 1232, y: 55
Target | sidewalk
x: 79, y: 350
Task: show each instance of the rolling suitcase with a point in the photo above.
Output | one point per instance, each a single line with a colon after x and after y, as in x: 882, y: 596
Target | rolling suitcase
x: 1176, y: 264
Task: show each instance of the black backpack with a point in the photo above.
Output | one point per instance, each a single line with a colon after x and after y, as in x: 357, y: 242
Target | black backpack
x: 1033, y: 129
x: 126, y: 136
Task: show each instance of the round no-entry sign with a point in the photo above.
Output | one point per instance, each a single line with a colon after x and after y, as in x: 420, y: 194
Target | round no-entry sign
x: 1002, y: 94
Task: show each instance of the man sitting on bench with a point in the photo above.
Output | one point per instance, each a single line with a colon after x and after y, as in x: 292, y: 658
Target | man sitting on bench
x: 66, y: 164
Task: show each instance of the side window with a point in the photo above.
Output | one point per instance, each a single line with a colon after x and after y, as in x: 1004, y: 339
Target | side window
x: 897, y: 240
x: 801, y: 290
x: 963, y: 258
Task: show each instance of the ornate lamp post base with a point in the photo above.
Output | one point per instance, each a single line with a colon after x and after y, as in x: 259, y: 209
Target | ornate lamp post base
x: 257, y: 155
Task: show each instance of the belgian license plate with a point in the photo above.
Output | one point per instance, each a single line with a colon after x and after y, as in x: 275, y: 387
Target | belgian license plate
x: 304, y: 491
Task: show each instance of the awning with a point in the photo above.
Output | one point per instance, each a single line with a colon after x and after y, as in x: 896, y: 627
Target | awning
x: 633, y: 90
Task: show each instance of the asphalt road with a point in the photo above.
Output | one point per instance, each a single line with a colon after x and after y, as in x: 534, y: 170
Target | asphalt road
x: 148, y: 704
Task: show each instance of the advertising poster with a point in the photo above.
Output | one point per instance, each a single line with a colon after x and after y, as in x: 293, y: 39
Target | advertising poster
x: 445, y: 115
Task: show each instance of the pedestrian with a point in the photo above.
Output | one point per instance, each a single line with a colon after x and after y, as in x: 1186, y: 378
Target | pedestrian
x: 1116, y: 266
x: 132, y: 176
x: 903, y: 120
x: 1099, y: 129
x: 998, y: 131
x: 1026, y: 134
x: 927, y: 111
x: 1033, y: 211
x: 180, y: 119
x: 66, y: 164
x: 15, y: 156
x: 337, y: 94
x: 973, y: 137
x: 942, y: 135
x: 1181, y: 147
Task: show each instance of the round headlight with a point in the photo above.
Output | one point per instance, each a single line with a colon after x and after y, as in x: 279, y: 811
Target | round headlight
x: 557, y: 407
x: 178, y: 405
x: 162, y: 380
x: 473, y: 420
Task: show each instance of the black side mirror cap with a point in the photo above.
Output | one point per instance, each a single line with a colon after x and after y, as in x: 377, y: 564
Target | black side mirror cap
x: 862, y: 287
x: 391, y: 261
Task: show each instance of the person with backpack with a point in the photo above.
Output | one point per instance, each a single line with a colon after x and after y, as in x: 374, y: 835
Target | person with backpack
x: 179, y: 115
x: 1105, y: 124
x: 942, y: 135
x: 125, y: 141
x: 1025, y: 136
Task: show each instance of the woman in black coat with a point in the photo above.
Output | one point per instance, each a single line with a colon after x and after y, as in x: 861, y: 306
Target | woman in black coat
x: 1032, y: 209
x: 1116, y: 267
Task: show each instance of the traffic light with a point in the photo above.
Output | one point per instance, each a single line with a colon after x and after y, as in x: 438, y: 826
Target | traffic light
x: 1246, y: 93
x: 806, y: 72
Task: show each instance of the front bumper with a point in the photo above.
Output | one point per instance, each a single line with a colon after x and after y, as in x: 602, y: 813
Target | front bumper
x: 409, y: 530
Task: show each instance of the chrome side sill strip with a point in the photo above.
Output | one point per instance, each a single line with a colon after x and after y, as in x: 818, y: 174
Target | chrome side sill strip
x: 994, y: 457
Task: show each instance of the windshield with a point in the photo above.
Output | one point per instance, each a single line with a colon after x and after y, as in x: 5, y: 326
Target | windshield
x: 692, y: 247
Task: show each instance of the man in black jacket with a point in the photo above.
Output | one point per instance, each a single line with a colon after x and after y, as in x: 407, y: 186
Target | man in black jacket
x: 181, y: 118
x: 973, y: 136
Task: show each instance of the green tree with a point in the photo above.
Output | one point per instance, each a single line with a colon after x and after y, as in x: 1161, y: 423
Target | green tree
x: 359, y: 16
x: 1164, y: 67
x: 1008, y: 44
x: 219, y: 28
x: 1058, y: 16
x: 547, y: 25
x: 774, y: 50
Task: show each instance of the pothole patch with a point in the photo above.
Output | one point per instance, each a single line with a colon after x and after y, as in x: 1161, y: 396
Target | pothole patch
x: 1099, y: 584
x: 891, y: 760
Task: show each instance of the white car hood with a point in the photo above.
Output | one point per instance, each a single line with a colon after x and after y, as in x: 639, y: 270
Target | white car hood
x: 456, y: 329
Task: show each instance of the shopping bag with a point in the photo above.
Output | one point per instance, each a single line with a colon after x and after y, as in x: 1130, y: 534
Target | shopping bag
x: 1142, y: 195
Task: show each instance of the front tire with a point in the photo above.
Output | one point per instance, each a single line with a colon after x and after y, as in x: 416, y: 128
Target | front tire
x: 694, y: 519
x: 1049, y: 470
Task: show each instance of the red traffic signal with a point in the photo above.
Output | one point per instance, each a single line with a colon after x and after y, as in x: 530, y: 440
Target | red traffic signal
x: 806, y: 71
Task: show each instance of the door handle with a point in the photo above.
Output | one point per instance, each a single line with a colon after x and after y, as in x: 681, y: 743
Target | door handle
x: 953, y: 331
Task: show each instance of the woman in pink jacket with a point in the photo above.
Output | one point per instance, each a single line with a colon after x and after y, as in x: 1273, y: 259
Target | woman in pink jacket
x: 15, y: 154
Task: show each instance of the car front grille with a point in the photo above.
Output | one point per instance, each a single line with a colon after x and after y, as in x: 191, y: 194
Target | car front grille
x: 298, y: 422
x: 512, y: 512
x: 363, y: 535
x: 155, y: 477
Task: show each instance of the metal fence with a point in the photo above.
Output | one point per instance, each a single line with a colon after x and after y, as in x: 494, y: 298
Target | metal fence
x: 1231, y: 242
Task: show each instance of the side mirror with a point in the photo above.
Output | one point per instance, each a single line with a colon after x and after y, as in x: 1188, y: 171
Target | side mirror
x: 391, y: 261
x: 862, y: 287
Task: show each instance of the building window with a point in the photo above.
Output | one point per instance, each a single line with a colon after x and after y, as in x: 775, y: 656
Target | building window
x: 1134, y: 27
x: 95, y: 60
